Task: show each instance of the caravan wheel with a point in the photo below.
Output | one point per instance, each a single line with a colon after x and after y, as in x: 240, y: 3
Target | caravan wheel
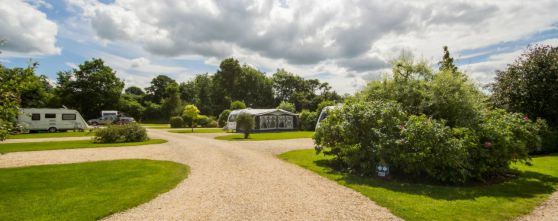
x: 52, y: 129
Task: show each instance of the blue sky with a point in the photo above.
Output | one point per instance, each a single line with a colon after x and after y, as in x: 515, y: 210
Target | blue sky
x: 343, y: 43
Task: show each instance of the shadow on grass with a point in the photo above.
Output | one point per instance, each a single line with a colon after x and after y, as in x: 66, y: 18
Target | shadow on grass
x: 526, y: 185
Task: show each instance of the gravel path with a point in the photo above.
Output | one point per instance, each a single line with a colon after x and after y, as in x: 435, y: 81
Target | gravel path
x: 228, y: 181
x: 547, y: 211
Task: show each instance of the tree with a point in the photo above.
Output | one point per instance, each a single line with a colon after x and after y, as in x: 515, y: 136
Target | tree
x: 255, y: 89
x: 447, y: 62
x: 324, y: 104
x: 236, y: 105
x: 530, y: 84
x: 129, y: 105
x: 13, y: 83
x: 134, y: 90
x: 223, y: 117
x: 90, y: 88
x: 157, y: 91
x: 245, y: 122
x: 190, y: 114
x: 284, y: 105
x: 172, y: 105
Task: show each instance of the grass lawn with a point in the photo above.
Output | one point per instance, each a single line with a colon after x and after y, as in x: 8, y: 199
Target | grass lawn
x: 268, y: 136
x: 73, y: 144
x: 156, y: 126
x: 84, y: 191
x: 199, y: 130
x: 502, y: 201
x: 51, y: 135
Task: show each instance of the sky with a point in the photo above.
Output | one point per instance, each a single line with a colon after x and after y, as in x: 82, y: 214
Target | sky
x: 345, y: 43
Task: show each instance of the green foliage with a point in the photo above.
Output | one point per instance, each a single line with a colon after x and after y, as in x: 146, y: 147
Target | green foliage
x: 203, y: 120
x: 223, y: 117
x: 529, y: 85
x: 176, y: 122
x: 134, y: 90
x: 190, y: 114
x: 172, y: 105
x: 324, y: 104
x: 447, y: 62
x: 284, y: 105
x: 129, y: 105
x: 307, y: 120
x: 132, y: 132
x: 16, y: 87
x: 237, y: 105
x: 90, y: 88
x: 301, y: 92
x: 158, y: 89
x: 427, y: 125
x: 245, y: 122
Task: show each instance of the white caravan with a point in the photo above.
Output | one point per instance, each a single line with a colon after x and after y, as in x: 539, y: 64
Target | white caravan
x: 50, y: 119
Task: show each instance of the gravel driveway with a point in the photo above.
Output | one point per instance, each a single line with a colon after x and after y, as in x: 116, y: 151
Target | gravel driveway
x: 228, y: 181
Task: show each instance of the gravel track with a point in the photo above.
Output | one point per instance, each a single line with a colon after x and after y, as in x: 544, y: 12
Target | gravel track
x: 228, y: 181
x: 547, y: 211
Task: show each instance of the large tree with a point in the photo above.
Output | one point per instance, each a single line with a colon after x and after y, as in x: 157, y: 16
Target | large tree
x: 90, y: 88
x: 157, y: 91
x: 530, y: 84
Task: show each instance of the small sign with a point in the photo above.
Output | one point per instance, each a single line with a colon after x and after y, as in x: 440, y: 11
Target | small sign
x: 382, y: 170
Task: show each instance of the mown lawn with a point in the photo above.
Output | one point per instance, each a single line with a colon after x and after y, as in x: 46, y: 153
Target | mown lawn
x: 84, y: 191
x: 199, y: 130
x: 52, y: 135
x: 502, y: 201
x: 156, y: 126
x: 268, y: 136
x: 73, y: 144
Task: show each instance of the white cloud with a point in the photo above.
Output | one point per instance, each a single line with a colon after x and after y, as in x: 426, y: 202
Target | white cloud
x: 27, y: 30
x: 341, y: 38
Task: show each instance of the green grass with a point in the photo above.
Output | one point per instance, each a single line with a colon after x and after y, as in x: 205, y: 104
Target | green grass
x: 156, y: 126
x: 73, y: 144
x: 502, y: 201
x: 199, y: 130
x: 268, y: 136
x: 52, y: 135
x: 84, y: 191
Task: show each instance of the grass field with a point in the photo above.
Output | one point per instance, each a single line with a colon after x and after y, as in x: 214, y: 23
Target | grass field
x: 156, y: 126
x: 84, y: 191
x: 199, y: 130
x: 52, y: 135
x: 502, y: 201
x: 268, y: 136
x: 56, y: 145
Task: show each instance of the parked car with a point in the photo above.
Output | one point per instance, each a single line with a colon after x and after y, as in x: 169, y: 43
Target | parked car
x: 124, y: 120
x: 104, y: 120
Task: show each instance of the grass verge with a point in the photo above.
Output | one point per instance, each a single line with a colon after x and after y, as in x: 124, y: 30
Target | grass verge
x: 199, y: 130
x: 52, y: 135
x: 268, y: 136
x: 502, y: 201
x: 73, y: 144
x: 84, y: 191
x: 156, y: 126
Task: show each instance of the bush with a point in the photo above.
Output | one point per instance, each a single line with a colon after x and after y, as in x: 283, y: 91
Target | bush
x: 287, y: 106
x: 121, y: 133
x: 223, y: 117
x: 308, y: 120
x: 203, y: 121
x: 245, y: 122
x: 236, y: 105
x: 176, y: 122
x: 362, y: 134
x: 213, y: 123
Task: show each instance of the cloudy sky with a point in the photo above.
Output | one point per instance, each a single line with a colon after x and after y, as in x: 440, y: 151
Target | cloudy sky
x: 342, y: 42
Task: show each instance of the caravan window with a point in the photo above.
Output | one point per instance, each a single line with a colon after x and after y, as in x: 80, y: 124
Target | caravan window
x: 50, y: 115
x: 68, y: 116
x: 35, y: 116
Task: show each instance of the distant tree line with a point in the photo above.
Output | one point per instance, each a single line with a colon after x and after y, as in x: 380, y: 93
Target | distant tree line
x: 93, y: 86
